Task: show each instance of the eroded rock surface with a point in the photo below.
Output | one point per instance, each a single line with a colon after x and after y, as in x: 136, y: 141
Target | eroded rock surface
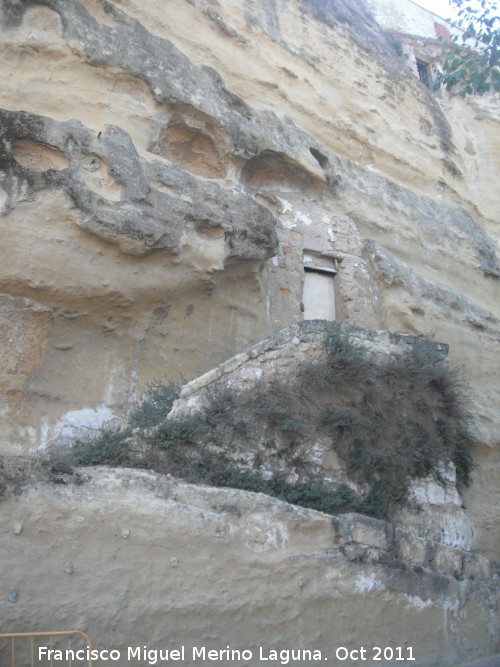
x: 161, y: 188
x: 132, y: 557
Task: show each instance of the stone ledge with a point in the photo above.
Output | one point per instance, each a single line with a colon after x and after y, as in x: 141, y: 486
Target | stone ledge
x: 363, y: 530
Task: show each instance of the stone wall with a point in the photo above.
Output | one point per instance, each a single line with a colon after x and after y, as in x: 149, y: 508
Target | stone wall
x: 434, y: 514
x: 282, y: 354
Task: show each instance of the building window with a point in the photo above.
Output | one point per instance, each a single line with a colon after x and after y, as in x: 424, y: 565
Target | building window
x: 319, y: 289
x: 424, y: 72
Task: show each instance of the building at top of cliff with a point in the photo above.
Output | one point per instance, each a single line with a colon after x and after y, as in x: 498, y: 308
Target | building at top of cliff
x: 410, y: 18
x: 419, y: 30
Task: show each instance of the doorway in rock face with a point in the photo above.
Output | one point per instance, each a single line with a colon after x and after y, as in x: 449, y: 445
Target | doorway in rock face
x: 319, y: 289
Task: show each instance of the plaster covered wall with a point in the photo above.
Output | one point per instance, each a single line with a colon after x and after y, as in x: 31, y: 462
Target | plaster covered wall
x: 409, y: 17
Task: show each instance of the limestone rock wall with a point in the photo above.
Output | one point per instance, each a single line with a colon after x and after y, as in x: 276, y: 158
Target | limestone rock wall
x: 160, y: 186
x: 134, y: 558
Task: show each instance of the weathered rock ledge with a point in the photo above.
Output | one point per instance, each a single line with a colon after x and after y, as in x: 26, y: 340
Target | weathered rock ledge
x: 194, y: 564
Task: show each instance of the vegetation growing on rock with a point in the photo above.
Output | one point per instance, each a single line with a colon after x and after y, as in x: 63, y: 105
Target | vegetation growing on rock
x: 471, y: 65
x: 390, y: 420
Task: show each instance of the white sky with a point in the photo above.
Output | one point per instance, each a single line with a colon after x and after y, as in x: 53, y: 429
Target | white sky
x: 440, y: 7
x: 443, y: 8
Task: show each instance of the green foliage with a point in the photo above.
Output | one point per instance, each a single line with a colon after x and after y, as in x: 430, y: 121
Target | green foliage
x: 345, y: 359
x: 333, y: 418
x: 216, y: 469
x: 107, y: 447
x: 218, y: 405
x: 155, y: 406
x: 384, y: 496
x: 187, y: 429
x: 293, y: 426
x: 314, y: 495
x: 455, y: 432
x: 473, y: 69
x: 279, y: 404
x: 390, y: 421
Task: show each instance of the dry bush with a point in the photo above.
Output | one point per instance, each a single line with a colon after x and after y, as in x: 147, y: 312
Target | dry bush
x: 391, y: 421
x: 15, y: 472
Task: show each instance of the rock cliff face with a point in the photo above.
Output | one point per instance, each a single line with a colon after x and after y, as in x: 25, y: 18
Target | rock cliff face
x: 149, y: 174
x: 163, y: 187
x: 136, y: 559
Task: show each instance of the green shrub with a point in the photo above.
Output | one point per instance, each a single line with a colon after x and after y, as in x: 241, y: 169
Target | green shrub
x: 456, y: 433
x: 187, y: 429
x: 156, y: 405
x: 345, y: 359
x: 383, y: 498
x: 343, y: 419
x: 107, y: 447
x: 292, y: 426
x: 217, y: 405
x: 391, y: 421
x: 314, y: 495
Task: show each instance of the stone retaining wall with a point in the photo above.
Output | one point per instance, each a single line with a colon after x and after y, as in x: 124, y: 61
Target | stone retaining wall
x: 282, y: 352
